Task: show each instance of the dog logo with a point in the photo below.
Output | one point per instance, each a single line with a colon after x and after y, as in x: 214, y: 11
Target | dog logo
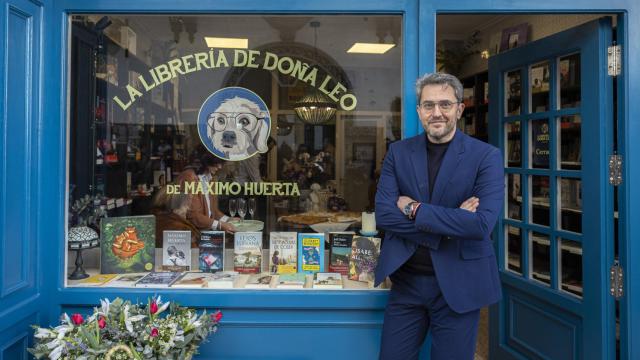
x: 234, y: 124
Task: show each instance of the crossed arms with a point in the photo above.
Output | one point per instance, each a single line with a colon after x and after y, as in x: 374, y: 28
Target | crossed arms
x: 436, y: 221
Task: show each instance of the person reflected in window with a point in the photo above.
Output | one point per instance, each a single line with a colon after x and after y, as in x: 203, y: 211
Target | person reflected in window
x: 438, y: 199
x: 171, y: 214
x: 204, y: 211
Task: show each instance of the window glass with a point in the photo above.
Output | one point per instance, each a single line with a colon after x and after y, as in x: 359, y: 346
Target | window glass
x: 267, y: 124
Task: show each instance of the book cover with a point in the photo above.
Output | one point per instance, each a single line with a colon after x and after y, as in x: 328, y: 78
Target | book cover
x: 291, y: 281
x: 327, y: 280
x: 176, y: 250
x: 223, y: 280
x: 97, y: 280
x: 192, y: 280
x: 211, y: 251
x: 126, y: 280
x: 158, y: 279
x: 283, y: 252
x: 364, y: 258
x: 247, y: 252
x: 260, y: 281
x: 127, y: 244
x: 311, y: 253
x: 339, y: 251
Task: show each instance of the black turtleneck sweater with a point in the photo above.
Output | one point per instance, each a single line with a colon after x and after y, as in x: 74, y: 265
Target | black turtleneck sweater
x: 420, y: 262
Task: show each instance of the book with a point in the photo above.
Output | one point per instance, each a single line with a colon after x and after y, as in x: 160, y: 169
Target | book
x: 97, y: 280
x: 260, y: 281
x: 211, y: 251
x: 364, y: 258
x: 283, y: 251
x: 311, y: 252
x: 327, y: 280
x: 223, y: 280
x: 247, y: 252
x: 192, y: 280
x: 126, y: 280
x: 158, y: 279
x: 127, y: 244
x: 339, y: 251
x: 176, y: 250
x: 291, y: 281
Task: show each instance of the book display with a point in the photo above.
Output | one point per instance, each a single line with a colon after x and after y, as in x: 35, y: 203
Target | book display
x: 176, y: 250
x: 127, y: 244
x: 475, y: 118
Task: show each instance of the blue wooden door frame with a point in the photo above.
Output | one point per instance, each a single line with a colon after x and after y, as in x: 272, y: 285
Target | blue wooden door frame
x: 592, y: 337
x: 419, y: 36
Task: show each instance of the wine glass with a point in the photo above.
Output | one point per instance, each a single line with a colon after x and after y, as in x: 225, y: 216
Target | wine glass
x: 242, y: 208
x: 252, y: 207
x: 233, y: 206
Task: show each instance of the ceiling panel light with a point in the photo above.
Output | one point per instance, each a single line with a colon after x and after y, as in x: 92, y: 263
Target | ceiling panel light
x: 227, y: 43
x: 370, y: 48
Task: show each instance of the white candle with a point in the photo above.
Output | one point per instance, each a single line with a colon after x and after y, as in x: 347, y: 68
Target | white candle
x: 368, y: 222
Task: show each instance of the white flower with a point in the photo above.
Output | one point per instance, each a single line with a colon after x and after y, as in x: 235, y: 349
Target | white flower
x: 42, y: 333
x: 128, y: 321
x: 104, y: 306
x: 56, y: 353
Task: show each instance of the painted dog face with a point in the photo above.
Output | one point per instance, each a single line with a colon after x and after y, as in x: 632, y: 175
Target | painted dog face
x: 238, y: 128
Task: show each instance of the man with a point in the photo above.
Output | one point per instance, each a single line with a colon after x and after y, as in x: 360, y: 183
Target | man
x: 203, y: 211
x: 438, y: 199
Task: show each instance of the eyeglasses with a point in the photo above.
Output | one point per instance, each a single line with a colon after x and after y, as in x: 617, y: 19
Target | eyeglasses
x: 242, y: 119
x: 444, y: 105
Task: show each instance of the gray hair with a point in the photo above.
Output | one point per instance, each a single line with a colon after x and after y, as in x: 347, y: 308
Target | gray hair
x: 439, y: 79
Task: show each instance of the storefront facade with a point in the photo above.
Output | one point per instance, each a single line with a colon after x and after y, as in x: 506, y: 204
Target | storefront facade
x: 38, y: 156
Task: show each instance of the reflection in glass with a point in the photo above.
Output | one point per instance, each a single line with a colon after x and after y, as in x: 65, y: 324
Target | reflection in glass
x: 570, y: 142
x: 514, y: 249
x: 514, y: 197
x: 514, y: 144
x: 539, y: 87
x: 571, y: 266
x: 539, y: 202
x: 569, y: 79
x: 571, y: 204
x: 513, y: 93
x: 540, y: 257
x: 540, y: 137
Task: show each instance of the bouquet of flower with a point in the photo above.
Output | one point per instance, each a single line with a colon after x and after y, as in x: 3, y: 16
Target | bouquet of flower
x: 122, y: 330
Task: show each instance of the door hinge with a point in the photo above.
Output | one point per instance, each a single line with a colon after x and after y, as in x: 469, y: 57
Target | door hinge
x: 615, y: 170
x: 616, y: 281
x: 614, y: 60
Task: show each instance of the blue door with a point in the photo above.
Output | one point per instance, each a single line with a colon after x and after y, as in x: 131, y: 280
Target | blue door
x: 553, y: 118
x: 21, y: 298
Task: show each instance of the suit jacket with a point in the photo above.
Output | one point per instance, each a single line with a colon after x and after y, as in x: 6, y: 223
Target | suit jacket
x: 198, y: 212
x: 461, y: 248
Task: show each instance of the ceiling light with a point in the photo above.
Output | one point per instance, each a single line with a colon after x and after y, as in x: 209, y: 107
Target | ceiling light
x: 227, y: 43
x: 370, y: 48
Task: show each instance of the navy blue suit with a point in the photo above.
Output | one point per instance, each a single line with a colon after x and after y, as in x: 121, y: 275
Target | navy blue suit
x: 466, y: 275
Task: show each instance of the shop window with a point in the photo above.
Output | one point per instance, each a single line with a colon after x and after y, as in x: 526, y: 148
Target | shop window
x: 269, y: 126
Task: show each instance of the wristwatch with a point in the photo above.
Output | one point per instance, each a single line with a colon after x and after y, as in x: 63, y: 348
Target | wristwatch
x: 408, y: 209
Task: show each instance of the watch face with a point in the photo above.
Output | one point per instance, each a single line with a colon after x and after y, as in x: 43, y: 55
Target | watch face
x: 407, y: 209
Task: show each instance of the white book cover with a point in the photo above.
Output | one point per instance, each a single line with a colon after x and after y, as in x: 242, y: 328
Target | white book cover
x: 176, y: 249
x: 260, y: 281
x: 158, y: 279
x: 327, y: 280
x: 283, y: 252
x: 247, y: 252
x: 223, y: 280
x: 291, y: 281
x: 192, y: 280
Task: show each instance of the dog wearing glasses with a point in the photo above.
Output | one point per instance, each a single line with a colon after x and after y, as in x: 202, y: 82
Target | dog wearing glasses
x: 238, y: 128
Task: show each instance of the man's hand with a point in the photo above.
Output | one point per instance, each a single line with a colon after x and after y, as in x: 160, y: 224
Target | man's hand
x: 403, y: 201
x: 471, y: 204
x: 227, y: 227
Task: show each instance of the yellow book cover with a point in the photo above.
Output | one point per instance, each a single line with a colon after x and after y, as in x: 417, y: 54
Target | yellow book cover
x: 97, y: 280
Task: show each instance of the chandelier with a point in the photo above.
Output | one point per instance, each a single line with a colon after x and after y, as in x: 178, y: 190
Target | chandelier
x: 315, y: 108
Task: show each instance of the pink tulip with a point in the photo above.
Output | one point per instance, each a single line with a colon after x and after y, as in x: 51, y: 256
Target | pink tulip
x: 153, y: 308
x: 102, y: 322
x: 154, y: 332
x: 77, y: 319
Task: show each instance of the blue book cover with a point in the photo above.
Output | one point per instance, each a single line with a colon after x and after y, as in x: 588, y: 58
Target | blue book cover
x: 211, y: 251
x: 310, y: 253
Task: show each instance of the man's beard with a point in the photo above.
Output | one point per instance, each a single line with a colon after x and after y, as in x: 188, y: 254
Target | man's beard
x: 439, y: 134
